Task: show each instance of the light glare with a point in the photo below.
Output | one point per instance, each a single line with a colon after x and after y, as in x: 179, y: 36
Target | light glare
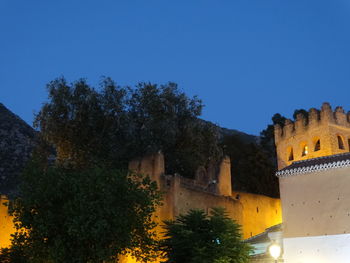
x: 275, y: 251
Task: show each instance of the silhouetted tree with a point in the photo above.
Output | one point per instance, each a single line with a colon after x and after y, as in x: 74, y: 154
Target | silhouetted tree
x: 251, y: 168
x: 198, y: 238
x: 116, y: 124
x: 85, y: 215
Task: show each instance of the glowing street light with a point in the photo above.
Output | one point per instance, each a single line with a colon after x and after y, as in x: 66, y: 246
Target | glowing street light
x: 275, y: 251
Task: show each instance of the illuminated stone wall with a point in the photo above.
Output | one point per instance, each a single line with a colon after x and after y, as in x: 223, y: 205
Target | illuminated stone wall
x: 254, y: 212
x: 6, y: 224
x: 322, y: 126
x: 259, y: 212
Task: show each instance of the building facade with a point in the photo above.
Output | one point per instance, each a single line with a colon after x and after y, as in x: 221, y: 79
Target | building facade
x: 314, y: 176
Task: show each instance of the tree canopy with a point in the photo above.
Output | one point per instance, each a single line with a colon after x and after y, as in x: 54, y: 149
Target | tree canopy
x: 91, y: 215
x: 198, y: 238
x: 115, y: 124
x: 83, y: 208
x: 252, y: 169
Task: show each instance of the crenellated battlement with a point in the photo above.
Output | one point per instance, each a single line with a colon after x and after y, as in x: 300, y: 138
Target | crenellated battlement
x: 314, y: 119
x: 318, y: 133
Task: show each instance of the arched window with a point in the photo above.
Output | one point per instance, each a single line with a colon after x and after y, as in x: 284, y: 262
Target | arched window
x: 317, y: 145
x: 305, y: 150
x: 340, y: 142
x: 290, y: 155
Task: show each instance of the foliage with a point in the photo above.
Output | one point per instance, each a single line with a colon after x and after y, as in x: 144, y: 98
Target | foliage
x: 251, y: 168
x: 253, y: 165
x: 163, y: 118
x: 116, y: 124
x: 267, y: 142
x: 90, y: 215
x: 84, y: 125
x: 268, y: 135
x: 198, y: 238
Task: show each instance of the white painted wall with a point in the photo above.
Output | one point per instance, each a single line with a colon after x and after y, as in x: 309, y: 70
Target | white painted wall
x: 318, y: 249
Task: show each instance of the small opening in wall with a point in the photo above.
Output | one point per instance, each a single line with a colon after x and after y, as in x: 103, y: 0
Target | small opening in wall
x: 305, y: 150
x: 291, y: 155
x: 317, y: 146
x: 340, y: 142
x: 349, y: 144
x: 257, y: 209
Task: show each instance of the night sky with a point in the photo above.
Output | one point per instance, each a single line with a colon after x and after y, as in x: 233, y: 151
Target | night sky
x: 245, y: 59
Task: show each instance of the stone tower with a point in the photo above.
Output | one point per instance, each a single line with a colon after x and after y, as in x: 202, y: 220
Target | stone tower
x: 323, y: 132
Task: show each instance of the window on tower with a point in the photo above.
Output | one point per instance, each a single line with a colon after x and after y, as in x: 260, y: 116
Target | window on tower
x: 305, y: 150
x: 340, y: 142
x: 317, y: 146
x: 290, y: 155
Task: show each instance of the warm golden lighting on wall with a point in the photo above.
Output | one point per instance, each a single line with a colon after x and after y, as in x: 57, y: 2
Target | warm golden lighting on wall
x: 305, y: 150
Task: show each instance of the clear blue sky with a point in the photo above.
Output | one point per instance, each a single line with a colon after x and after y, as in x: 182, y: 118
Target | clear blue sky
x: 245, y: 59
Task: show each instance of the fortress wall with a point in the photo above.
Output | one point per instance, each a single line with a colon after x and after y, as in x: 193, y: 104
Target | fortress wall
x: 6, y: 225
x: 253, y: 212
x: 190, y: 198
x: 259, y: 212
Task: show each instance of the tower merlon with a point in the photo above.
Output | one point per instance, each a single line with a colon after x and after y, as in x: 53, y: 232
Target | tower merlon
x: 314, y: 117
x: 278, y: 132
x: 340, y: 116
x: 300, y: 123
x: 327, y: 115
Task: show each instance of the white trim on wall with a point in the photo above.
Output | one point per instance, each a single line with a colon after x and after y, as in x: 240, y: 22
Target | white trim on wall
x: 317, y: 249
